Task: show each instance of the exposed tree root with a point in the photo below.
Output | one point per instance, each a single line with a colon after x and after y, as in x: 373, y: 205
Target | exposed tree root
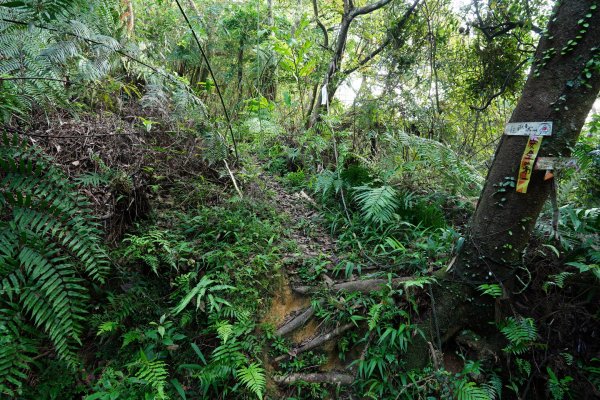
x: 364, y: 286
x: 334, y: 378
x: 316, y: 342
x: 296, y: 322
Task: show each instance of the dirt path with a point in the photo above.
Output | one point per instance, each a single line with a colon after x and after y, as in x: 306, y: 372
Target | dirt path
x: 291, y: 312
x: 308, y: 231
x: 312, y: 240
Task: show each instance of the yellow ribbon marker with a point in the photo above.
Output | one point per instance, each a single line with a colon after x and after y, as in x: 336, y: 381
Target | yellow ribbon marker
x: 531, y: 150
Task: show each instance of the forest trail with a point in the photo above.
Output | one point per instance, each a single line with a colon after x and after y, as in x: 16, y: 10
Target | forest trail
x: 291, y: 311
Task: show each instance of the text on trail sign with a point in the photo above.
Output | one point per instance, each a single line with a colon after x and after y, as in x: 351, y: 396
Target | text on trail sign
x: 528, y: 128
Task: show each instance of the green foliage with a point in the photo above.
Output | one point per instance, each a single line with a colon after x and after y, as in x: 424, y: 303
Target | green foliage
x: 71, y: 46
x: 296, y: 180
x: 451, y: 171
x: 205, y: 288
x: 557, y: 280
x: 48, y: 243
x: 16, y: 355
x: 253, y: 377
x: 470, y: 391
x: 153, y: 373
x: 520, y: 332
x: 493, y: 289
x: 377, y: 204
x: 558, y: 387
x: 154, y: 249
x: 214, y: 264
x: 328, y: 183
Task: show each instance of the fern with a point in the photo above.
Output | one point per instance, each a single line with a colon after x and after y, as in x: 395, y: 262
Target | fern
x: 377, y: 205
x: 374, y: 315
x: 153, y: 373
x: 253, y: 377
x: 437, y: 164
x: 224, y: 330
x: 558, y: 387
x: 470, y: 391
x: 520, y: 332
x: 492, y: 289
x: 204, y: 288
x: 93, y: 179
x: 493, y: 387
x: 16, y: 354
x: 47, y: 244
x: 557, y: 280
x: 56, y: 41
x: 172, y: 97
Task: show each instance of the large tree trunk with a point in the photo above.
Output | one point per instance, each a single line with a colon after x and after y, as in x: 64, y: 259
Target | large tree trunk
x: 561, y: 89
x: 558, y: 91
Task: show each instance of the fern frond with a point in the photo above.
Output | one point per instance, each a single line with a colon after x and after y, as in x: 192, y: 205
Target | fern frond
x: 16, y: 352
x: 470, y: 391
x: 153, y: 373
x: 47, y: 243
x: 377, y: 205
x: 253, y: 377
x: 520, y: 332
x: 224, y: 331
x: 449, y: 168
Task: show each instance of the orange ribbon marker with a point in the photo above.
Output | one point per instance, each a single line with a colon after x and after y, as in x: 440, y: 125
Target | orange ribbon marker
x: 527, y: 162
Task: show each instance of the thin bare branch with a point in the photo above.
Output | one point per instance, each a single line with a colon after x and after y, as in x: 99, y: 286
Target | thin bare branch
x: 369, y: 8
x: 502, y: 89
x: 387, y: 41
x: 320, y: 24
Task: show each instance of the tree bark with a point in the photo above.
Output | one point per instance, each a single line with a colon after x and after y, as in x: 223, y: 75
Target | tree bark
x: 363, y: 286
x: 296, y: 322
x: 559, y: 92
x: 270, y: 20
x: 561, y: 89
x: 316, y: 342
x: 269, y: 75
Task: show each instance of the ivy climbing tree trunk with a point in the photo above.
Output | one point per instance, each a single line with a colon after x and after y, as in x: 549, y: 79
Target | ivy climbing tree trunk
x: 561, y: 90
x: 562, y: 86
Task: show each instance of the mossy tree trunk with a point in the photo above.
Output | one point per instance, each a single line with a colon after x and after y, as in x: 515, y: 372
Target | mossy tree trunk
x: 562, y: 86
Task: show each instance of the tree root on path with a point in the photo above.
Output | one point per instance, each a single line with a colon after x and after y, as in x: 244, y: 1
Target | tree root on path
x: 364, y: 286
x: 296, y: 322
x: 334, y: 378
x: 316, y: 342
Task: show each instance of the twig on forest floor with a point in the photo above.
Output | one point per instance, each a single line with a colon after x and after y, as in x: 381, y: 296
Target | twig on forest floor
x: 237, y: 189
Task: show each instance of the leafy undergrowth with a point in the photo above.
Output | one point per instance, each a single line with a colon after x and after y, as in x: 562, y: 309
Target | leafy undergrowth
x: 182, y: 312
